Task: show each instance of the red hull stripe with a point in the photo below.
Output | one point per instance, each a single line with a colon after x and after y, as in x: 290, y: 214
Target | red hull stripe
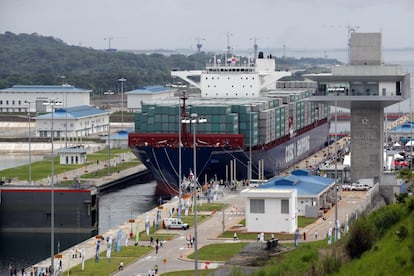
x: 42, y: 191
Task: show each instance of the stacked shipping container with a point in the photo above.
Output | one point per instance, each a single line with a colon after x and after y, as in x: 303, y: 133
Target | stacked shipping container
x: 260, y: 120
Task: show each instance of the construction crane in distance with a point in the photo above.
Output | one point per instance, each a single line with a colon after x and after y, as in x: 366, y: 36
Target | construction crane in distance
x: 199, y: 45
x: 255, y: 46
x: 109, y: 38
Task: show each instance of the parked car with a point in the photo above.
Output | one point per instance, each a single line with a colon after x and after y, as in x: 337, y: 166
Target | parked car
x: 359, y: 187
x: 174, y: 223
x: 346, y: 187
x: 399, y: 164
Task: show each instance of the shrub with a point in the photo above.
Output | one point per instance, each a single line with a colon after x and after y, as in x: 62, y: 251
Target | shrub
x: 402, y: 232
x: 386, y: 217
x: 410, y: 204
x: 331, y: 264
x: 309, y: 257
x: 400, y: 198
x: 362, y: 236
x: 402, y: 261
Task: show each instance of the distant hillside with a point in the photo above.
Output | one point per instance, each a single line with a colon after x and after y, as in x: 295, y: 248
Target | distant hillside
x: 36, y: 59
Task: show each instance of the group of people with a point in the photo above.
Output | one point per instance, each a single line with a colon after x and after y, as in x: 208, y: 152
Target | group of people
x: 158, y: 243
x: 190, y: 241
x: 44, y: 271
x: 153, y: 271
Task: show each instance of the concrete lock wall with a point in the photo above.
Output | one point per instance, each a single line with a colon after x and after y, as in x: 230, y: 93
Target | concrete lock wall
x: 367, y: 130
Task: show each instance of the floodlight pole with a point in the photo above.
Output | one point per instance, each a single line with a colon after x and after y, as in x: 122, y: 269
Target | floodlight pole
x: 109, y: 92
x: 52, y: 103
x: 122, y: 80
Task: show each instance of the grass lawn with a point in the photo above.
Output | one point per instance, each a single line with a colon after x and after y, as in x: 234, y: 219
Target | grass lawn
x: 389, y: 256
x: 303, y: 221
x: 294, y: 262
x: 205, y: 207
x: 219, y: 252
x: 112, y: 169
x: 42, y: 169
x: 107, y: 266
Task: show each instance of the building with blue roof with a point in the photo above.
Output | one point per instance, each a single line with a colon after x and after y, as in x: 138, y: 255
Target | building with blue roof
x: 73, y: 122
x: 401, y: 133
x: 136, y: 97
x: 119, y: 139
x: 24, y: 98
x: 283, y: 199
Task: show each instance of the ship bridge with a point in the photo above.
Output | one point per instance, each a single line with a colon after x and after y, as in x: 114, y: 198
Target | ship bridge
x: 366, y: 86
x: 234, y: 79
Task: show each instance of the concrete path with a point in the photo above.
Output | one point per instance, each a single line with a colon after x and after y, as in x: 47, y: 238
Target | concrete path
x: 172, y: 255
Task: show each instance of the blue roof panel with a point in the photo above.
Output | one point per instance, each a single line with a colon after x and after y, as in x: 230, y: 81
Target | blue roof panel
x: 407, y: 127
x: 304, y: 183
x: 151, y: 90
x: 74, y: 112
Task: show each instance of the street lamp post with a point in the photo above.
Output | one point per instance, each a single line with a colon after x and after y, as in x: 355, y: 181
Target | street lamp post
x: 195, y: 119
x: 30, y: 143
x: 53, y: 103
x: 122, y: 80
x: 179, y: 158
x: 336, y: 172
x: 250, y: 148
x: 109, y: 134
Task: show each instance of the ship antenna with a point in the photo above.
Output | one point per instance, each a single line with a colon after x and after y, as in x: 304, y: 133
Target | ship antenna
x: 183, y: 113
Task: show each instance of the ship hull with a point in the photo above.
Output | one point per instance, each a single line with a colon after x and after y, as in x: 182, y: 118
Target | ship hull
x: 215, y: 163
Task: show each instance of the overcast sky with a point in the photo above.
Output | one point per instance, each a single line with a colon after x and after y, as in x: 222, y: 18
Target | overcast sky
x: 172, y: 24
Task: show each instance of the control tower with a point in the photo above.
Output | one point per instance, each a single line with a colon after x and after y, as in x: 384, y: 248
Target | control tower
x: 366, y: 86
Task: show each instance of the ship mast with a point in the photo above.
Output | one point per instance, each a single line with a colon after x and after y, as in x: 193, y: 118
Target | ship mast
x: 183, y: 114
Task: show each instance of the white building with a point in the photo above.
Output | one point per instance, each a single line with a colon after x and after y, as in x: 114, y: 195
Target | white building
x: 72, y: 155
x: 19, y: 98
x: 271, y: 210
x: 135, y: 98
x: 72, y: 122
x: 275, y: 205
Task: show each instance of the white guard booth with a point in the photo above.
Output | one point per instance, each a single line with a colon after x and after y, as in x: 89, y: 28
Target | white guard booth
x: 271, y: 210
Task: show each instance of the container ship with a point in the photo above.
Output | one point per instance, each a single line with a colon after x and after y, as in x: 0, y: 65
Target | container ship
x: 246, y: 124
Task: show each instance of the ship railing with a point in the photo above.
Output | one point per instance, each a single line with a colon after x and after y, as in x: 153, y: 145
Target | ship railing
x: 247, y: 67
x: 366, y: 92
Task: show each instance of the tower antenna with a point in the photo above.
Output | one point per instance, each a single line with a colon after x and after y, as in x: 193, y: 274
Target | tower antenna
x: 351, y: 29
x: 255, y: 47
x: 229, y: 50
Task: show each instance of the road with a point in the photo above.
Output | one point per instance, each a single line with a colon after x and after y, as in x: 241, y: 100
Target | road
x: 172, y: 256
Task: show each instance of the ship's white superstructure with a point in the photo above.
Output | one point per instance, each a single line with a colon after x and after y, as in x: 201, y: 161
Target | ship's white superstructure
x: 233, y: 78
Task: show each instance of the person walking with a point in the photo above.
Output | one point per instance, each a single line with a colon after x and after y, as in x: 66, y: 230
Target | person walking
x: 234, y: 236
x: 121, y: 265
x: 316, y: 234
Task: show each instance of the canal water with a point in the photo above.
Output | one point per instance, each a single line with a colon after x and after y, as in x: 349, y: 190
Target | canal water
x: 22, y: 250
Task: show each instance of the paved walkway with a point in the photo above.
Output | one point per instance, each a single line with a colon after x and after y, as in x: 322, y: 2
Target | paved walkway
x: 172, y: 255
